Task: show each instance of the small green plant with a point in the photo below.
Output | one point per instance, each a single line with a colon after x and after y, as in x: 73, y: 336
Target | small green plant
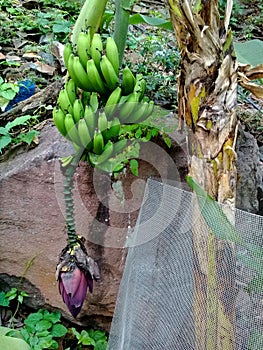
x: 9, y: 136
x: 95, y: 338
x: 42, y: 329
x: 7, y: 92
x: 13, y: 294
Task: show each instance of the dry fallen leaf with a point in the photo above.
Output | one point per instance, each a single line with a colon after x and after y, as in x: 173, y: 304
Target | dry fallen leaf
x: 31, y: 55
x: 12, y: 58
x: 44, y: 68
x: 57, y: 50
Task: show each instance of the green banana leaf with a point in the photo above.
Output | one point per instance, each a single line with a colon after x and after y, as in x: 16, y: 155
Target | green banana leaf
x: 153, y: 21
x: 249, y: 52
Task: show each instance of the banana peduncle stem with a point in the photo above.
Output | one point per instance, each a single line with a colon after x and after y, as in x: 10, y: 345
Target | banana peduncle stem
x: 69, y: 204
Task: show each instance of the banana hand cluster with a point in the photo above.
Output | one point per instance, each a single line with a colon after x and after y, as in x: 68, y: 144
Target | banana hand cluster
x: 87, y: 126
x: 93, y: 65
x: 128, y: 102
x: 97, y: 98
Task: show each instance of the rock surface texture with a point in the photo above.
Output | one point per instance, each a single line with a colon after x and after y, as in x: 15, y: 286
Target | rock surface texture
x: 33, y: 227
x: 250, y: 174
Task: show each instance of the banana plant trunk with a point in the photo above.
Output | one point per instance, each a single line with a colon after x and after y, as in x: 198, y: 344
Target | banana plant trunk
x: 207, y: 98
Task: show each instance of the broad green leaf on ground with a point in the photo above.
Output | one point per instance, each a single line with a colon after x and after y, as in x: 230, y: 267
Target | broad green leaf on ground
x: 32, y: 319
x: 153, y: 21
x: 249, y: 52
x: 8, y: 343
x: 28, y: 137
x: 213, y: 214
x: 53, y: 317
x: 58, y: 330
x: 10, y: 332
x: 101, y: 345
x: 4, y: 141
x: 18, y: 121
x: 63, y: 27
x: 4, y: 301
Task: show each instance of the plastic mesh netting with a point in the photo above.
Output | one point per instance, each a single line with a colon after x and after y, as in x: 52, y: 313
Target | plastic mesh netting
x: 155, y: 305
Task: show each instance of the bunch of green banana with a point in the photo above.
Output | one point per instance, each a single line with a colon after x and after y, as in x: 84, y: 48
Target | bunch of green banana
x: 95, y: 102
x: 79, y: 119
x: 93, y: 65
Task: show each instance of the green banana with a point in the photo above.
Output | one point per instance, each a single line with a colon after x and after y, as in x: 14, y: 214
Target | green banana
x: 148, y: 113
x: 114, y: 127
x: 113, y: 54
x: 72, y: 132
x: 72, y: 90
x: 129, y: 107
x: 104, y: 156
x: 85, y: 97
x: 151, y: 107
x: 82, y: 77
x: 72, y: 73
x: 68, y: 50
x: 140, y: 85
x: 94, y: 101
x: 123, y: 99
x: 84, y: 134
x: 65, y: 161
x: 78, y: 110
x: 102, y: 123
x: 90, y: 119
x: 64, y: 102
x: 83, y: 48
x: 96, y: 49
x: 140, y: 113
x: 112, y: 103
x: 98, y: 142
x: 58, y: 117
x: 128, y: 81
x: 94, y: 77
x: 108, y: 72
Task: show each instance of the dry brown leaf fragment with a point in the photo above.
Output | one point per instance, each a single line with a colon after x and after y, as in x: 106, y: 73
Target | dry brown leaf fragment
x: 254, y: 88
x: 252, y: 73
x: 44, y: 68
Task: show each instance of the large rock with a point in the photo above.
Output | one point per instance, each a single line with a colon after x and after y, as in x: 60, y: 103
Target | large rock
x: 250, y: 174
x: 33, y: 225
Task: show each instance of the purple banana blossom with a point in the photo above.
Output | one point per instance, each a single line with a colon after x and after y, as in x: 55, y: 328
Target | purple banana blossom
x: 75, y: 273
x: 73, y: 289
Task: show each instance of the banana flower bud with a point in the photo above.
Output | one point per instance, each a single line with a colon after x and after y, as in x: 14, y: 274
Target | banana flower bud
x: 75, y: 273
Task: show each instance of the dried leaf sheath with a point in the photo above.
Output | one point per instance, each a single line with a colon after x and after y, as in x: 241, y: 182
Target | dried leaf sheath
x: 207, y: 99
